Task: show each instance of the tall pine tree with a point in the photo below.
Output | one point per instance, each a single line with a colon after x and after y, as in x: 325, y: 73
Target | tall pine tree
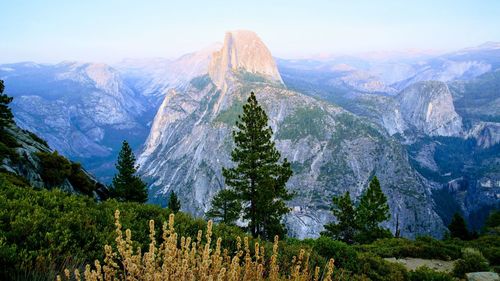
x: 258, y: 179
x: 173, y: 202
x: 226, y: 207
x: 458, y: 228
x: 127, y: 186
x: 6, y: 116
x: 372, y: 210
x: 344, y: 211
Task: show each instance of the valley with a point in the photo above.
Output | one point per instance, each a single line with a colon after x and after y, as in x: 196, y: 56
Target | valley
x: 426, y: 126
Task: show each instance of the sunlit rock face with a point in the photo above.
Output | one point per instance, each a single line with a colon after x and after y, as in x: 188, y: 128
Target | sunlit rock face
x: 242, y: 50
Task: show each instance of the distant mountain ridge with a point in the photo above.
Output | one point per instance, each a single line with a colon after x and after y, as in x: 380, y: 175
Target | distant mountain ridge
x: 79, y: 108
x: 427, y: 125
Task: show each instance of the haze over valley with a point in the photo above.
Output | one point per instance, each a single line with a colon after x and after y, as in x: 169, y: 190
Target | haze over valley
x: 427, y: 125
x: 250, y: 140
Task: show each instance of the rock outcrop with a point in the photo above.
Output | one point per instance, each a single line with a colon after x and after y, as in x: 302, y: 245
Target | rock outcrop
x: 24, y: 161
x: 242, y: 50
x: 487, y: 134
x: 428, y: 107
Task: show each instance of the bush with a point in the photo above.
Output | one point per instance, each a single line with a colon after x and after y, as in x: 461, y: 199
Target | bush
x: 8, y: 152
x: 345, y: 256
x: 472, y: 261
x: 378, y: 269
x: 14, y: 179
x: 424, y: 273
x: 489, y: 245
x: 290, y: 250
x: 42, y: 229
x: 8, y: 140
x: 80, y: 180
x: 422, y: 247
x: 55, y: 168
x: 36, y: 138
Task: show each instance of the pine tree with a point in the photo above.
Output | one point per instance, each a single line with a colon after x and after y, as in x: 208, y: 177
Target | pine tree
x: 173, y: 202
x: 372, y: 210
x: 344, y: 211
x: 458, y: 228
x: 258, y: 179
x: 492, y: 224
x: 6, y: 116
x: 127, y: 186
x: 226, y: 207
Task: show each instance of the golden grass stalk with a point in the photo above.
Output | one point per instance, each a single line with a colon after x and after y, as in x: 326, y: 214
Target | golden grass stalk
x: 187, y: 260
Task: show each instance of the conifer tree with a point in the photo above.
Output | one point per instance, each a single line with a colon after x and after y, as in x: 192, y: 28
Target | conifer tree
x: 344, y: 211
x: 258, y: 179
x: 226, y: 207
x: 173, y: 202
x: 6, y: 116
x: 492, y: 224
x: 372, y: 210
x: 127, y: 186
x: 458, y: 228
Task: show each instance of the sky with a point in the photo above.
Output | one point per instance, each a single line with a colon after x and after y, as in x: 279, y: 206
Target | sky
x: 109, y: 30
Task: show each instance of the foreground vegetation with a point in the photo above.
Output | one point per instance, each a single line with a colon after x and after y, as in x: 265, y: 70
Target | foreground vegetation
x: 48, y: 233
x: 185, y: 259
x: 42, y: 232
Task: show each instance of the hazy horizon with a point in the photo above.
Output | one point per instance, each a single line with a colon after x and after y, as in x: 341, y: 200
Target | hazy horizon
x: 108, y: 32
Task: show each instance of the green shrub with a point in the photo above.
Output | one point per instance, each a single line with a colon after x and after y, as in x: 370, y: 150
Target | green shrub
x: 14, y: 179
x: 8, y: 152
x: 472, y: 260
x: 80, y: 180
x: 289, y: 250
x: 378, y: 269
x: 422, y: 247
x: 424, y: 273
x: 8, y: 140
x: 36, y: 138
x: 345, y: 256
x: 55, y: 168
x: 47, y: 228
x: 489, y: 245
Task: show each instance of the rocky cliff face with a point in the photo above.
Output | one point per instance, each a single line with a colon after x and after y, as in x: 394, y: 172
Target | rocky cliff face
x: 428, y: 106
x: 25, y: 162
x: 84, y: 111
x: 487, y: 134
x: 331, y: 150
x: 242, y: 50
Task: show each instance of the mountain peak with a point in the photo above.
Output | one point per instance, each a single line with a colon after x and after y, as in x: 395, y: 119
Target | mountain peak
x: 242, y: 50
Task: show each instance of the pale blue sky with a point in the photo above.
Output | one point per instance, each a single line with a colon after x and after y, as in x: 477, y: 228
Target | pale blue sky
x: 100, y: 30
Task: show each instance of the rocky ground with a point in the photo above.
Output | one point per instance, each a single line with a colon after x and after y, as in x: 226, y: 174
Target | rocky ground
x: 414, y: 263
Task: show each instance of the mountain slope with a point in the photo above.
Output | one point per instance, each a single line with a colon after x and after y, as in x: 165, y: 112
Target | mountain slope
x: 428, y: 106
x: 331, y: 150
x: 84, y: 111
x: 28, y: 159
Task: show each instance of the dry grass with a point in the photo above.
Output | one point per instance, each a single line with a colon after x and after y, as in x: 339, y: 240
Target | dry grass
x: 187, y: 259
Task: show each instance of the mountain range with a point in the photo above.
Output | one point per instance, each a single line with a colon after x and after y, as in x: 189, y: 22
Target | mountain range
x: 427, y: 126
